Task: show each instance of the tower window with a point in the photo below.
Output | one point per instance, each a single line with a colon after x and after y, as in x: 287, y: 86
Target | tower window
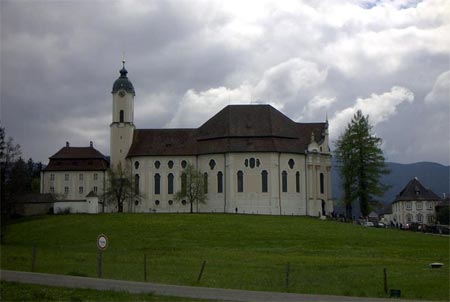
x: 121, y: 116
x: 284, y: 181
x: 240, y: 181
x: 264, y: 182
x: 220, y: 182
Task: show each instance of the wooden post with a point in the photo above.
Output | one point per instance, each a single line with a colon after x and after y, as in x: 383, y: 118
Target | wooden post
x: 100, y: 264
x: 33, y: 259
x: 145, y: 267
x: 385, y: 281
x: 288, y: 272
x: 201, y: 271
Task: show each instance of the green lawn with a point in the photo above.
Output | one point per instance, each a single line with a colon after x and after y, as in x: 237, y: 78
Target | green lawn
x: 242, y: 252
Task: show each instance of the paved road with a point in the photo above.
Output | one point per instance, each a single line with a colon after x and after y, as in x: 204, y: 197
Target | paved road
x: 170, y: 290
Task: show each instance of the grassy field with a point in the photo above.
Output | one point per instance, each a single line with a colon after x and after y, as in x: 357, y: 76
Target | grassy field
x: 10, y: 291
x: 242, y: 252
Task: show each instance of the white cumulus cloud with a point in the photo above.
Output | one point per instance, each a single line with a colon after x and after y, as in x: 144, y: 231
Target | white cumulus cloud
x: 441, y: 90
x: 379, y: 107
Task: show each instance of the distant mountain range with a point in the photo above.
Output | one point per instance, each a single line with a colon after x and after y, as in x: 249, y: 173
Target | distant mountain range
x: 432, y: 175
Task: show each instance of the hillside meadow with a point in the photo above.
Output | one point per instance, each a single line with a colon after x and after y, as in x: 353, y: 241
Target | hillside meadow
x: 241, y: 252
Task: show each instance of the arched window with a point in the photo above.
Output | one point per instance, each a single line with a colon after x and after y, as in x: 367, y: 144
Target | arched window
x: 220, y: 182
x: 252, y: 162
x: 409, y: 218
x: 157, y: 184
x: 136, y: 184
x: 212, y: 164
x: 240, y: 181
x: 419, y: 218
x: 183, y: 183
x: 264, y: 183
x: 121, y: 116
x: 205, y: 182
x: 157, y: 164
x: 291, y: 163
x: 170, y: 183
x: 322, y: 183
x: 297, y: 182
x: 284, y: 181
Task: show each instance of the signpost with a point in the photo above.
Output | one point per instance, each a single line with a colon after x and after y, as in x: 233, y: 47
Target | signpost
x: 102, y: 244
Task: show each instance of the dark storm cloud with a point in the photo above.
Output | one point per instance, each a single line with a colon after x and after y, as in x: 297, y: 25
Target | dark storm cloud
x: 187, y: 59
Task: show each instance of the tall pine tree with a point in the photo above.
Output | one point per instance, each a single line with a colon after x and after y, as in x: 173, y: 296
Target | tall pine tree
x: 361, y: 164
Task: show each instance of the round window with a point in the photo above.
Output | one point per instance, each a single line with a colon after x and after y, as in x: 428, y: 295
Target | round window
x: 157, y: 164
x: 157, y: 202
x: 136, y: 165
x: 183, y: 202
x: 170, y: 164
x: 170, y: 202
x: 136, y: 202
x: 183, y: 164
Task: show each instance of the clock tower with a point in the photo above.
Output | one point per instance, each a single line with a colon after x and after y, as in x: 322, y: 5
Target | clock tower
x: 122, y: 125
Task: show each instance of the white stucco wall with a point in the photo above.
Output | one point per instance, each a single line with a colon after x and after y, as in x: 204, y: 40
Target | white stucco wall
x: 308, y: 201
x: 73, y: 207
x: 401, y: 210
x: 58, y: 182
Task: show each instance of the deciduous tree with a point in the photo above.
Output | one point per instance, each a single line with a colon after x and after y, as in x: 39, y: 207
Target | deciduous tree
x: 193, y: 187
x: 361, y: 164
x: 121, y: 186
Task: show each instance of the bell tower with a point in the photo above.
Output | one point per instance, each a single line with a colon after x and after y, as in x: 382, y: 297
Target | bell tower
x: 122, y: 125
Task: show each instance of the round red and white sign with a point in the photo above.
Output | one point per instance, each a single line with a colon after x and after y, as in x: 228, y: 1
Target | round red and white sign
x: 102, y: 242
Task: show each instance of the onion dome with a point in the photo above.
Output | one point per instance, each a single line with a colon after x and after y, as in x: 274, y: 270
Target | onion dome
x: 123, y: 82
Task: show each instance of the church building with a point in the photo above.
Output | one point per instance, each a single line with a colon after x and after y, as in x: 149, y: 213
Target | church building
x: 253, y: 158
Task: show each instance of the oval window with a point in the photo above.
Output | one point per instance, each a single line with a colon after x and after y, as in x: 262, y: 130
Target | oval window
x: 170, y: 164
x: 157, y: 164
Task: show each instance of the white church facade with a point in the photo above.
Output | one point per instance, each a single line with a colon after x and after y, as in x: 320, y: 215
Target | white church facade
x: 254, y: 160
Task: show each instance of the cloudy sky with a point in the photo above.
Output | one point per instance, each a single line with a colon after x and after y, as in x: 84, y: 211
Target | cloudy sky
x: 188, y: 59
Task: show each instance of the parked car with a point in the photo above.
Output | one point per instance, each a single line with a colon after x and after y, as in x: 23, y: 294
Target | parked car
x: 368, y: 224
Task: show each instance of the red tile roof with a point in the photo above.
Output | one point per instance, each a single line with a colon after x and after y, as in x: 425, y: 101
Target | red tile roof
x: 236, y: 128
x: 414, y: 190
x: 77, y: 159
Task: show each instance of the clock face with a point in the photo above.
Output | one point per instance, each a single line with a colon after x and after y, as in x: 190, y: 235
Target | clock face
x: 122, y: 93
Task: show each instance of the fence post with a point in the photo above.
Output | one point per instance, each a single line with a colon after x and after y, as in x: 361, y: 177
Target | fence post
x: 201, y: 271
x: 100, y: 264
x: 385, y: 281
x: 288, y: 272
x: 33, y: 259
x: 145, y: 267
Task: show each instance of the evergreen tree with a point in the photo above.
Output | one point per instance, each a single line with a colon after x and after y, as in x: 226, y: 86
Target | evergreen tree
x: 361, y: 164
